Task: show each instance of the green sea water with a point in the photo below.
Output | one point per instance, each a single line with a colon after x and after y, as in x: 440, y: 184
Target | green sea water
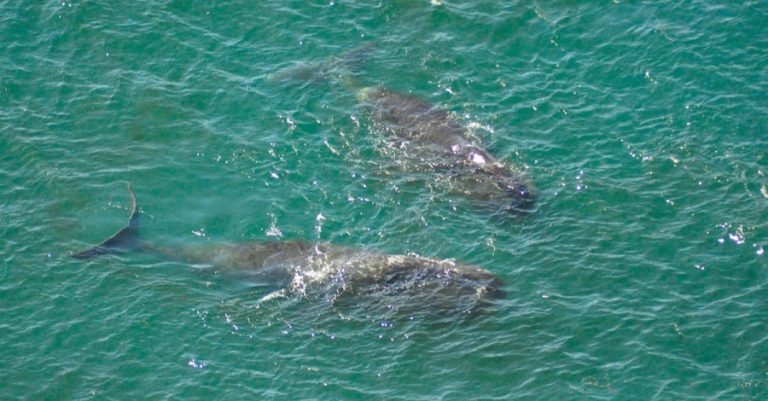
x: 641, y: 273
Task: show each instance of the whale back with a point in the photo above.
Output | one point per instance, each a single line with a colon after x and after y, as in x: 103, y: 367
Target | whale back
x: 439, y: 142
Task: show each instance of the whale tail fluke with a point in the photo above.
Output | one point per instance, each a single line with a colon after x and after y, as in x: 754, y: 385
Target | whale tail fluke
x: 126, y: 239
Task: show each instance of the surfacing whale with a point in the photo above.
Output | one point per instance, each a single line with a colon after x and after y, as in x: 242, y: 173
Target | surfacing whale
x: 441, y: 143
x: 435, y: 141
x: 332, y: 273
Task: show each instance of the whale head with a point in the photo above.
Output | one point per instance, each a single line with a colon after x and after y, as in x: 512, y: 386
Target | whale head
x: 521, y: 197
x: 496, y: 190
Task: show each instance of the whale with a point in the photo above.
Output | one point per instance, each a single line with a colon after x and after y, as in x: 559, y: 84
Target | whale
x: 433, y: 139
x: 438, y: 141
x: 326, y: 272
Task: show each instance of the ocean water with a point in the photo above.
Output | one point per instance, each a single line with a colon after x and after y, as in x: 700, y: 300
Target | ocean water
x: 641, y: 273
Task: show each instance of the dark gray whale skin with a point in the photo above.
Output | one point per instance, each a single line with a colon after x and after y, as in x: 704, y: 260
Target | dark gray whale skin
x: 327, y: 271
x: 474, y: 172
x: 432, y: 134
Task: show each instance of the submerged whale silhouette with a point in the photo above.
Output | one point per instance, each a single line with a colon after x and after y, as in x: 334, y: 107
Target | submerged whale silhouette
x: 436, y: 141
x: 326, y: 271
x: 442, y: 143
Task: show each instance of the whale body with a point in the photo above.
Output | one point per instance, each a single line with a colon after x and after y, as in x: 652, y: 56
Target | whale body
x: 436, y: 141
x: 442, y: 143
x: 326, y: 271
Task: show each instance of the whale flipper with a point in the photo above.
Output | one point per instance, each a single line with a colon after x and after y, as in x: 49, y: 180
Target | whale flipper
x: 124, y: 240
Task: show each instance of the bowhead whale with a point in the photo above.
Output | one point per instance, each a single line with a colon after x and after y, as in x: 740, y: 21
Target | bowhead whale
x: 327, y: 271
x: 442, y: 143
x: 436, y: 141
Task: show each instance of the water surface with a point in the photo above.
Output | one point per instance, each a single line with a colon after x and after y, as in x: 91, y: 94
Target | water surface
x: 640, y: 275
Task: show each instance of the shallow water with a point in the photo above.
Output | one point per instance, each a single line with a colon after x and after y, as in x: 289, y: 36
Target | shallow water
x: 641, y: 273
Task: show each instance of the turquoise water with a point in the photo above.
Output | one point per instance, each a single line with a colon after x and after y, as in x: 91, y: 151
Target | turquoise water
x: 641, y: 274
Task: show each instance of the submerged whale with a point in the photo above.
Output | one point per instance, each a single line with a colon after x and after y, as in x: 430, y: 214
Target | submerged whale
x: 329, y: 272
x: 435, y: 140
x: 442, y: 143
